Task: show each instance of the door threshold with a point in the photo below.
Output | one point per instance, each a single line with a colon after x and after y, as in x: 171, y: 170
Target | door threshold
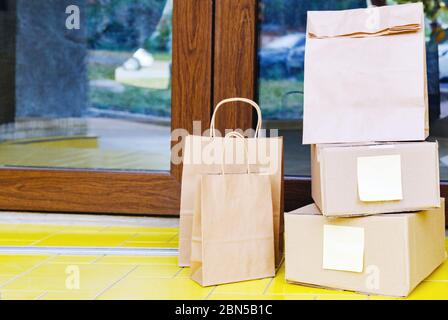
x: 96, y: 251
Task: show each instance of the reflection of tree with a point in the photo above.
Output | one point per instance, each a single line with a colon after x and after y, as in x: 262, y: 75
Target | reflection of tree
x: 291, y: 14
x: 436, y: 12
x: 122, y: 24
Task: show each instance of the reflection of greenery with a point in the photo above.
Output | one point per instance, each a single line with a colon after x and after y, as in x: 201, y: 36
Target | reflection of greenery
x: 160, y: 39
x: 272, y: 100
x: 122, y: 24
x: 133, y: 99
x: 99, y: 71
x: 436, y: 12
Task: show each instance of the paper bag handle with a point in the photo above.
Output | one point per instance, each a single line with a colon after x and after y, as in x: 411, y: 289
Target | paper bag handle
x: 246, y: 154
x: 245, y: 100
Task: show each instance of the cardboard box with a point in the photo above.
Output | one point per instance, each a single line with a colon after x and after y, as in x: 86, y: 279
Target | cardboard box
x: 379, y: 254
x: 363, y: 179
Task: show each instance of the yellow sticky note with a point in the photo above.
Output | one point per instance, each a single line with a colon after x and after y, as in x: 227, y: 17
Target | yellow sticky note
x: 379, y: 178
x: 343, y: 248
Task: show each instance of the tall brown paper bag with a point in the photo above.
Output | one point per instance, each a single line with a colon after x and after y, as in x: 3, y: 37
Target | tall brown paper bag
x: 365, y: 75
x: 233, y: 232
x: 194, y: 165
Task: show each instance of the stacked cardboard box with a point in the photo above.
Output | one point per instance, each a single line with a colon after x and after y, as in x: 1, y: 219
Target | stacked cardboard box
x: 378, y: 223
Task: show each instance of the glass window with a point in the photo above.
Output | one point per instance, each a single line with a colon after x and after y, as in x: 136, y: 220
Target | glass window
x: 91, y: 82
x: 282, y: 28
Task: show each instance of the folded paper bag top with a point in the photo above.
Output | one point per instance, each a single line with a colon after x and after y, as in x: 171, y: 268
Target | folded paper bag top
x: 365, y: 76
x: 380, y: 254
x: 365, y: 22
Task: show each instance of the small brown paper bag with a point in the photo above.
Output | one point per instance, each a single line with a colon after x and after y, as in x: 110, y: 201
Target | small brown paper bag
x: 233, y: 231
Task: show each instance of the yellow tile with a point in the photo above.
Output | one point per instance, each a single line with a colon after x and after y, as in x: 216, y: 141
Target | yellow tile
x: 184, y: 273
x: 214, y: 296
x: 175, y: 239
x: 342, y: 297
x: 152, y: 244
x: 441, y: 273
x: 280, y: 286
x: 430, y: 290
x: 5, y: 278
x: 85, y: 239
x: 16, y: 242
x: 83, y: 228
x: 153, y: 237
x: 254, y: 287
x: 57, y: 277
x: 22, y: 258
x: 70, y: 295
x: 20, y: 295
x: 143, y: 230
x: 16, y: 235
x: 15, y: 264
x: 159, y: 289
x: 376, y: 297
x: 139, y: 260
x: 72, y: 259
x: 155, y: 271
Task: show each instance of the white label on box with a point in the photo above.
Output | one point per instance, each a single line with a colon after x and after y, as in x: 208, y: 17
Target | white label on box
x: 343, y: 248
x: 379, y: 178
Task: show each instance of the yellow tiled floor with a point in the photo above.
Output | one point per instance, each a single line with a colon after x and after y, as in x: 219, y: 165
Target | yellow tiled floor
x: 141, y: 277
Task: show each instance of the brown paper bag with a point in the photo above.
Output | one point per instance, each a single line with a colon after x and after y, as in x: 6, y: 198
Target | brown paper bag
x: 365, y: 75
x: 233, y: 232
x: 195, y: 164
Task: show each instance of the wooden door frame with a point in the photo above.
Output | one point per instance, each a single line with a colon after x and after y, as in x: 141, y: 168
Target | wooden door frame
x: 130, y: 192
